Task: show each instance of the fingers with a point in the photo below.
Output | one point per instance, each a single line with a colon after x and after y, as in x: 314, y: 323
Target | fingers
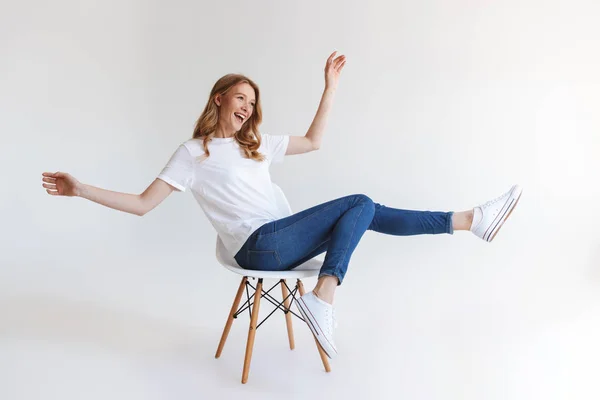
x: 338, y: 61
x: 341, y: 66
x: 335, y: 62
x: 51, y: 177
x: 331, y: 57
x: 54, y: 174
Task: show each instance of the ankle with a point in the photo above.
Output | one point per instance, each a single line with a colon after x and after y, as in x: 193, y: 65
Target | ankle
x: 469, y: 218
x: 323, y: 295
x: 462, y: 221
x: 325, y: 288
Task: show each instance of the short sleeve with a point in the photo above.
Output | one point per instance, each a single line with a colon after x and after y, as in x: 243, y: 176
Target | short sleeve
x: 275, y: 147
x: 179, y: 171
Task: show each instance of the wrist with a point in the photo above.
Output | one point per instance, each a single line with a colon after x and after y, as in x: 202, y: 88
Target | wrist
x: 330, y: 89
x: 80, y: 190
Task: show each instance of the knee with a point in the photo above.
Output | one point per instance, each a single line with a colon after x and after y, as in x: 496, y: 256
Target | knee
x: 364, y: 199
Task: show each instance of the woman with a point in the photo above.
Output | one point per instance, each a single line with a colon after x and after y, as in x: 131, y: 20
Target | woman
x: 226, y: 166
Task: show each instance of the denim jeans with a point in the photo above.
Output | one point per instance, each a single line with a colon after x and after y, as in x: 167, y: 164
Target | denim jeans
x: 334, y: 227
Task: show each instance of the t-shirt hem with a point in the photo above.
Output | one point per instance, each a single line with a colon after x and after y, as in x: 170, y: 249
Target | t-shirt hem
x: 171, y: 182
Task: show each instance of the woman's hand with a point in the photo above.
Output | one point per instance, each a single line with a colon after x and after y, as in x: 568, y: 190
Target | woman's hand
x: 61, y: 184
x: 333, y: 69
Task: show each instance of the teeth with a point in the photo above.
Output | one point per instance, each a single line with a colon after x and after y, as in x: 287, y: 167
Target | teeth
x: 239, y: 116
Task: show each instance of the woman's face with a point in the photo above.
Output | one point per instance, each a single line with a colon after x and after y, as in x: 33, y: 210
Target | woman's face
x: 236, y: 106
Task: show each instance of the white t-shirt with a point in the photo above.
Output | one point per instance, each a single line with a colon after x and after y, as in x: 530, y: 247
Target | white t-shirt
x: 235, y: 193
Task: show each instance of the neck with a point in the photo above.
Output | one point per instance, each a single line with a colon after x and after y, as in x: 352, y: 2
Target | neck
x: 223, y: 132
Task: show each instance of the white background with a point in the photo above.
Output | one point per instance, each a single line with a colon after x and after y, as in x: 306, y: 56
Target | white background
x: 442, y: 105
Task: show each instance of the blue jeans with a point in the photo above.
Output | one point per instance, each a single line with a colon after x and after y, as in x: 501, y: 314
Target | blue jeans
x: 334, y: 227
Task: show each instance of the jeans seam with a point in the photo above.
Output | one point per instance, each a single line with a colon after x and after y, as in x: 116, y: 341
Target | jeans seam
x: 295, y: 222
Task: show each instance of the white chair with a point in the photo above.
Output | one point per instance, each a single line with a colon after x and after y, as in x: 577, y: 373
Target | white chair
x: 306, y: 270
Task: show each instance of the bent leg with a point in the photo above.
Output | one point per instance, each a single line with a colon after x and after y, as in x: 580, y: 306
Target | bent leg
x: 288, y: 242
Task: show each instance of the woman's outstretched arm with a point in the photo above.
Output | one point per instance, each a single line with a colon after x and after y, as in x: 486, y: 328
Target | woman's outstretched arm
x: 312, y: 139
x: 63, y: 184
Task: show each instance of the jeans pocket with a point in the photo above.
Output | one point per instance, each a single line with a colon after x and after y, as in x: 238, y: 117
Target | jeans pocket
x: 263, y: 260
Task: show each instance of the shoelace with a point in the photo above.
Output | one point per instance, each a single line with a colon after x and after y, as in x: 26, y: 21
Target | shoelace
x: 489, y: 203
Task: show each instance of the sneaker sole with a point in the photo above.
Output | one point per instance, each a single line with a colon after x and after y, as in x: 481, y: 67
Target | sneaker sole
x: 316, y: 331
x: 497, y: 224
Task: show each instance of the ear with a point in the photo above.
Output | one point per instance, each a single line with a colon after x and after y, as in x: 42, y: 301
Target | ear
x: 218, y: 100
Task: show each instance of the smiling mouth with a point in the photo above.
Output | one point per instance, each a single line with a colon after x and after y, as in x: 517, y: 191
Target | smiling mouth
x: 239, y: 117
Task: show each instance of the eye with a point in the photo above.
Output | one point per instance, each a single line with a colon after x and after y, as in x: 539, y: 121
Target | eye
x: 240, y: 97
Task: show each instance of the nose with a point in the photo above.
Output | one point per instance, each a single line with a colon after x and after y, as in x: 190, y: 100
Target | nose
x: 244, y: 107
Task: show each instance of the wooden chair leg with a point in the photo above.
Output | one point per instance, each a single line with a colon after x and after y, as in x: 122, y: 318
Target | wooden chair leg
x: 236, y: 303
x: 324, y: 358
x: 252, y: 331
x: 288, y: 316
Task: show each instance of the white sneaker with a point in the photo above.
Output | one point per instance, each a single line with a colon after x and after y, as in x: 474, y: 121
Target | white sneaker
x: 488, y: 218
x: 320, y: 317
